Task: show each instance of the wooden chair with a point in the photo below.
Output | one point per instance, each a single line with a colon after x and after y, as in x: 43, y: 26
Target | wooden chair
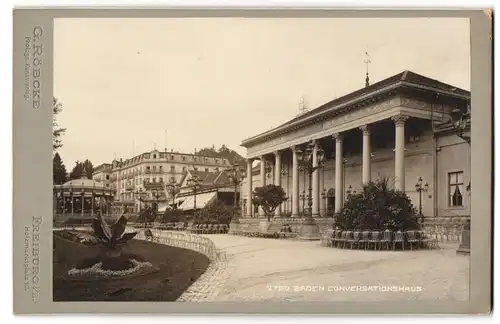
x: 343, y: 238
x: 398, y: 238
x: 386, y: 239
x: 412, y: 239
x: 374, y: 239
x: 354, y: 239
x: 365, y: 239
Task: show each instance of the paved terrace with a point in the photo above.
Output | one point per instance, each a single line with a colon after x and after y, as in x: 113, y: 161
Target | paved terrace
x: 269, y: 269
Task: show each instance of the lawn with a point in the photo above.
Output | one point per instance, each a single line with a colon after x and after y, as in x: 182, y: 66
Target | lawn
x: 177, y: 269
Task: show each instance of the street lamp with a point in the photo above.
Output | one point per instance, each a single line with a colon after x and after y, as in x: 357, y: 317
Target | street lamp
x: 171, y: 187
x: 420, y: 189
x: 460, y: 119
x: 236, y: 175
x: 323, y: 197
x: 306, y: 160
x: 156, y: 194
x: 268, y: 171
x: 349, y: 191
x: 193, y: 183
x: 139, y: 193
x: 284, y: 173
x: 303, y: 198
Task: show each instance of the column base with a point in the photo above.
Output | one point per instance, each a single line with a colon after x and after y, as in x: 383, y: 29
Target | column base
x: 464, y: 247
x: 309, y: 231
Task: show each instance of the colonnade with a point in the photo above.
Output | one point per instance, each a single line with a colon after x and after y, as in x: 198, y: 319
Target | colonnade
x: 399, y: 170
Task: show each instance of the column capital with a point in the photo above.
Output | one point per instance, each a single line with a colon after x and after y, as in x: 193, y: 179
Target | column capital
x: 294, y: 148
x: 399, y: 120
x: 338, y: 137
x: 365, y: 129
x: 277, y: 153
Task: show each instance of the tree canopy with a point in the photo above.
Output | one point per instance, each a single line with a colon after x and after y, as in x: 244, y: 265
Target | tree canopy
x: 80, y: 169
x: 269, y: 198
x: 223, y: 152
x: 57, y: 131
x: 59, y: 172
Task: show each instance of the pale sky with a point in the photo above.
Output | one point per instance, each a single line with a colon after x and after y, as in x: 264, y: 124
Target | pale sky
x: 123, y: 82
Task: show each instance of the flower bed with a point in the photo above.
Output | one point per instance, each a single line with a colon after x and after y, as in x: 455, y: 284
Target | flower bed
x: 97, y: 270
x: 176, y: 269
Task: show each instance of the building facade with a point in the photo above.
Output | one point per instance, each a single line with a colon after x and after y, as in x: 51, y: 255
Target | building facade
x: 102, y: 174
x: 143, y: 178
x: 398, y: 129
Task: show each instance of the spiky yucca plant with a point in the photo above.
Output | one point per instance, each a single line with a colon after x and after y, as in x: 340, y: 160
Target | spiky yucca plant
x: 111, y: 236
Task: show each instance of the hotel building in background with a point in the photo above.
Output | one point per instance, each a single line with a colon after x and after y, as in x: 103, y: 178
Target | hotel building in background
x: 143, y: 178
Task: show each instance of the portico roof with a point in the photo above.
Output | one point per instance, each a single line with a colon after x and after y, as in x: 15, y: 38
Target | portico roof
x: 370, y: 94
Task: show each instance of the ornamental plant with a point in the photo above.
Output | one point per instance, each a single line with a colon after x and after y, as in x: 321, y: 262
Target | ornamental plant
x: 111, y: 236
x: 269, y: 198
x: 377, y: 207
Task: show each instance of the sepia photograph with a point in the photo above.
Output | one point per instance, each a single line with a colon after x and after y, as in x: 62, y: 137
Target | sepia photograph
x: 231, y: 158
x: 261, y: 159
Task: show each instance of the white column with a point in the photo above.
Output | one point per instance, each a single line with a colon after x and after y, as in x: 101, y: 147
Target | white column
x: 295, y: 183
x: 315, y: 181
x: 249, y: 189
x: 277, y: 178
x: 366, y: 178
x: 339, y: 190
x: 399, y: 167
x: 262, y: 180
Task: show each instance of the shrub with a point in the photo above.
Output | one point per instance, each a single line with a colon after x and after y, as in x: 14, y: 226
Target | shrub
x: 378, y: 207
x: 173, y: 215
x: 215, y: 213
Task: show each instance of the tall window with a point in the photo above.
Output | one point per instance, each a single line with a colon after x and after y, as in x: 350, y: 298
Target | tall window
x: 172, y: 168
x: 456, y: 188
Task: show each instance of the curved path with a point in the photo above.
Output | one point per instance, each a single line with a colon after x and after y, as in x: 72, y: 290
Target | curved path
x: 268, y: 269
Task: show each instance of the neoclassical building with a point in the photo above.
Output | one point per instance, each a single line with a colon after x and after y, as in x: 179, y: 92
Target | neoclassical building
x: 398, y: 128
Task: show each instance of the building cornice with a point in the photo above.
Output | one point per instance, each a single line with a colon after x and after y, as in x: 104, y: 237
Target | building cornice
x: 345, y: 107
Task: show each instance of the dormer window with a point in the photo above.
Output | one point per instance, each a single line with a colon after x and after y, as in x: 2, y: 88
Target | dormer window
x: 154, y: 156
x: 183, y: 158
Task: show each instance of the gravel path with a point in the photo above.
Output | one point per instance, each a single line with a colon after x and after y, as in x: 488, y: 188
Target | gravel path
x: 286, y: 270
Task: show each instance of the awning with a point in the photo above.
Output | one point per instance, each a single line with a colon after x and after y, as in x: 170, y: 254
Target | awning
x: 201, y: 201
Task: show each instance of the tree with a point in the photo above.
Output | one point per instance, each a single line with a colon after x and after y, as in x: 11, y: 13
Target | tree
x: 58, y: 170
x: 224, y: 153
x: 82, y: 169
x: 89, y: 169
x: 377, y: 207
x: 269, y: 198
x: 57, y: 131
